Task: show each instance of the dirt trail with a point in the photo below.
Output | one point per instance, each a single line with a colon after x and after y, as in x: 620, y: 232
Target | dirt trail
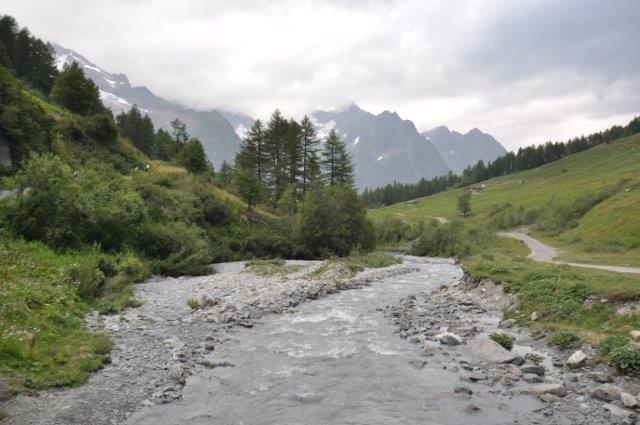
x: 546, y: 254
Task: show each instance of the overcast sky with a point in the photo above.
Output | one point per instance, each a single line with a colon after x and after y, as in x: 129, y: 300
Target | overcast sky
x: 524, y: 71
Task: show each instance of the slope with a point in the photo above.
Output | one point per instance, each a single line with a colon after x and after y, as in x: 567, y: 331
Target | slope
x: 218, y: 136
x: 608, y: 233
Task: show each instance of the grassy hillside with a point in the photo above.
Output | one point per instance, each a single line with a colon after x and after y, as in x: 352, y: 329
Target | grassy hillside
x: 608, y: 233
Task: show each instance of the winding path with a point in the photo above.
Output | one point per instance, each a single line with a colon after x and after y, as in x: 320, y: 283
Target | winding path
x: 546, y: 254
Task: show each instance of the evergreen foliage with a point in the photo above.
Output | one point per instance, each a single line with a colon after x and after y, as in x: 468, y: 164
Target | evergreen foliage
x: 75, y: 92
x: 192, y: 156
x: 139, y: 130
x: 336, y: 161
x: 28, y: 57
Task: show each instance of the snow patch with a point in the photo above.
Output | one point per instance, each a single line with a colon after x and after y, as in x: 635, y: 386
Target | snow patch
x: 357, y: 139
x: 452, y: 152
x: 241, y: 131
x: 379, y: 158
x: 323, y: 129
x: 111, y: 82
x: 92, y: 68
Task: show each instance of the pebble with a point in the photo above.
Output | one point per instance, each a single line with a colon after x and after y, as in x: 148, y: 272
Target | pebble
x: 577, y: 359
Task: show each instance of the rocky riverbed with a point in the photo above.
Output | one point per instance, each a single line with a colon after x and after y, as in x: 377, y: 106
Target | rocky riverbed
x: 452, y: 325
x: 158, y: 345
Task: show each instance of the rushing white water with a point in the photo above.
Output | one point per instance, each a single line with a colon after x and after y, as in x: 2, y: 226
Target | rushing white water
x: 335, y: 361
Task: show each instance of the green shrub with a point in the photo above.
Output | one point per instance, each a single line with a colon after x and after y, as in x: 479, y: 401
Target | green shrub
x: 455, y: 239
x: 626, y: 359
x: 565, y: 340
x: 101, y: 128
x: 193, y: 303
x: 392, y: 230
x: 502, y: 339
x: 534, y: 358
x: 612, y: 342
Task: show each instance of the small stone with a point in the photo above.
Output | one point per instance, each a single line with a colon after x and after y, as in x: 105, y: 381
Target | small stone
x: 537, y: 369
x: 534, y: 316
x: 635, y: 334
x: 606, y: 392
x: 619, y: 414
x: 106, y: 358
x: 577, y: 359
x: 549, y: 388
x: 176, y: 373
x: 628, y: 400
x: 418, y: 364
x: 549, y: 398
x: 532, y: 378
x: 476, y: 376
x: 601, y: 377
x: 448, y: 338
x: 472, y: 408
x: 209, y: 346
x: 463, y: 390
x: 509, y: 323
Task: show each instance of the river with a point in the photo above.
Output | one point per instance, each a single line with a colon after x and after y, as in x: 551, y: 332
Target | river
x: 335, y: 361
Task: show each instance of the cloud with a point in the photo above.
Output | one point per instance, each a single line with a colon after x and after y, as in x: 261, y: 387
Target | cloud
x: 526, y: 71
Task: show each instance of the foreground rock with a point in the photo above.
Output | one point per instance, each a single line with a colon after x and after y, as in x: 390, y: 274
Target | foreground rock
x: 486, y: 350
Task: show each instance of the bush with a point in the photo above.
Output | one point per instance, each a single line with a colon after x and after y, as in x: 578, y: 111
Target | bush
x: 101, y: 128
x: 502, y: 339
x: 176, y: 248
x: 50, y: 206
x: 392, y: 230
x: 626, y: 360
x: 534, y: 358
x: 612, y: 342
x: 565, y: 340
x: 332, y: 221
x: 455, y: 239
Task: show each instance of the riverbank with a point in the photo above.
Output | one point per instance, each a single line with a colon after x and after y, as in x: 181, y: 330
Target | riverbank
x: 158, y: 345
x: 453, y: 325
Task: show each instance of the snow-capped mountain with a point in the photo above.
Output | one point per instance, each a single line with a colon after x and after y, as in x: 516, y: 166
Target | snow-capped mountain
x: 460, y: 150
x: 385, y: 148
x: 217, y: 134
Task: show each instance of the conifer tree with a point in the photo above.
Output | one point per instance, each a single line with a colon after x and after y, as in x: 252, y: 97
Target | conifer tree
x: 336, y: 161
x: 75, y: 92
x: 275, y: 141
x: 310, y: 143
x: 138, y: 129
x: 252, y: 155
x: 293, y: 153
x: 179, y: 133
x: 192, y: 156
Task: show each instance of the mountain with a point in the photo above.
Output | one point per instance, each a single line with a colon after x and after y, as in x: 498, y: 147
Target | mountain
x: 385, y: 147
x: 216, y: 132
x: 241, y: 123
x: 460, y: 150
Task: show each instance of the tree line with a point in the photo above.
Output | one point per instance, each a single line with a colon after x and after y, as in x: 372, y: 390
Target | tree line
x: 30, y: 58
x: 524, y: 159
x: 286, y: 156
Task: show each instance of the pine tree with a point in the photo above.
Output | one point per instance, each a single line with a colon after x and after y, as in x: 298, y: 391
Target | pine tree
x: 250, y: 187
x: 336, y: 161
x: 275, y: 141
x: 252, y: 155
x: 72, y: 90
x: 138, y: 129
x: 293, y: 153
x: 310, y: 143
x: 192, y: 156
x: 179, y: 133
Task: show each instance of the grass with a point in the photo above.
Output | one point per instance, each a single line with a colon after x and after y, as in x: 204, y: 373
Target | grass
x: 43, y: 342
x: 276, y: 267
x: 608, y: 233
x: 358, y: 262
x: 567, y: 299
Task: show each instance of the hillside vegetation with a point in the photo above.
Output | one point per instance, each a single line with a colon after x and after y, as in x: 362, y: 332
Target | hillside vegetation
x: 608, y: 232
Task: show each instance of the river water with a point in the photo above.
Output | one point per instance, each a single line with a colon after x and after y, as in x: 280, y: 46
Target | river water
x: 335, y: 361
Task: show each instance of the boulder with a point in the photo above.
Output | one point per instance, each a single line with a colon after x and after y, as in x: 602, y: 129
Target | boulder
x: 532, y: 378
x: 558, y: 390
x: 577, y: 359
x: 485, y: 350
x: 537, y: 369
x: 607, y: 392
x: 463, y: 390
x: 177, y: 372
x: 509, y: 323
x: 628, y: 400
x: 601, y: 377
x: 472, y: 408
x: 448, y: 338
x: 619, y: 414
x: 635, y: 334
